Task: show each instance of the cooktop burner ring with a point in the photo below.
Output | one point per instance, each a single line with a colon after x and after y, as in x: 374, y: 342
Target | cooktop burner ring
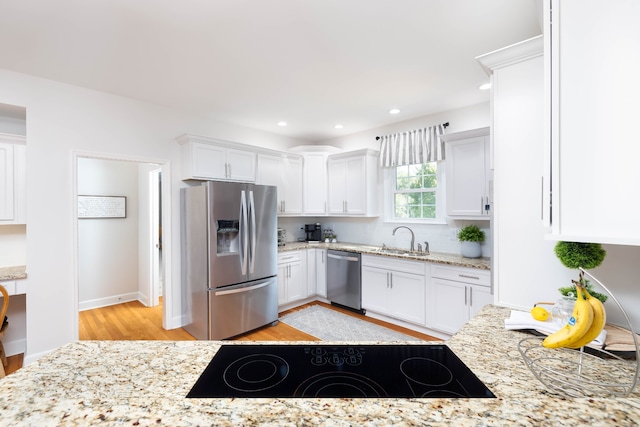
x: 333, y: 384
x: 256, y: 372
x: 425, y: 371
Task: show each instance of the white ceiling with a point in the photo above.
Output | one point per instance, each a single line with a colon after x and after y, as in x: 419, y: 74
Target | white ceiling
x: 311, y: 63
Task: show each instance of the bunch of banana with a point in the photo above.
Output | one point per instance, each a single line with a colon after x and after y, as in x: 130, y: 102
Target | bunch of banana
x: 584, y: 325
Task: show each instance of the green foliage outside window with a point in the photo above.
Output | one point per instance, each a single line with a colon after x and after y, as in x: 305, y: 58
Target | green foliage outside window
x: 415, y: 191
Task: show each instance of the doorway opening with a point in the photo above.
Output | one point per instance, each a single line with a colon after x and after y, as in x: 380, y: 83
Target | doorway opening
x: 121, y: 256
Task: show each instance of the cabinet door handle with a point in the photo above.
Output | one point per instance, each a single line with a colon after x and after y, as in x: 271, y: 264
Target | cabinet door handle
x: 470, y: 296
x: 229, y: 169
x: 465, y: 295
x: 391, y: 281
x: 466, y: 276
x: 481, y: 204
x: 387, y: 279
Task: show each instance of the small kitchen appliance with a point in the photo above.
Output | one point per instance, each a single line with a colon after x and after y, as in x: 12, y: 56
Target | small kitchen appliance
x: 337, y: 371
x: 282, y: 236
x: 313, y: 232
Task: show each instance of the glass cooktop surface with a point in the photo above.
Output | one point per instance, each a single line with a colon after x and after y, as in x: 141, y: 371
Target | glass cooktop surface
x: 333, y: 371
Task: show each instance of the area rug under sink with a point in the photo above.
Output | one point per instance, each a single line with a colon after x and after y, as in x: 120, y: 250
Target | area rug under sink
x: 330, y: 325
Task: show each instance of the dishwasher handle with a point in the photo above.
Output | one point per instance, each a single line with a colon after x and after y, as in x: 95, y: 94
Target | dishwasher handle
x: 347, y: 258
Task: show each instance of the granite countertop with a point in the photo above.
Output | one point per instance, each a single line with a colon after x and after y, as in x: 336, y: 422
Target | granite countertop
x: 13, y: 273
x: 145, y: 383
x: 435, y: 257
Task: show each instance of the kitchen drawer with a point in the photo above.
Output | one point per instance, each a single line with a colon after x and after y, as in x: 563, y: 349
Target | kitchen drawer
x: 461, y: 274
x: 389, y: 263
x: 291, y: 256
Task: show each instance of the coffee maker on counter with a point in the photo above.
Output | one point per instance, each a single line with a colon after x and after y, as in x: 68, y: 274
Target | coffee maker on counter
x: 313, y: 232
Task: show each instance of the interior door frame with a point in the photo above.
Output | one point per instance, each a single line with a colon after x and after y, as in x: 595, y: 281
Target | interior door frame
x: 155, y: 239
x: 168, y: 306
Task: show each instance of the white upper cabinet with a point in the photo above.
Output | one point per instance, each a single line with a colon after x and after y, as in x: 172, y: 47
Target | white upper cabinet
x: 353, y: 179
x: 285, y: 172
x: 468, y: 174
x: 315, y: 183
x: 205, y: 158
x: 12, y: 179
x: 592, y: 75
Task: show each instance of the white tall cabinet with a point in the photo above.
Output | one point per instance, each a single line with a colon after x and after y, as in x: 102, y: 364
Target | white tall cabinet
x: 525, y: 268
x: 594, y: 90
x: 12, y: 179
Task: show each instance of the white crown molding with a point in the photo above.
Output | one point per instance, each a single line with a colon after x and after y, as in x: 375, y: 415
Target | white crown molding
x: 513, y: 54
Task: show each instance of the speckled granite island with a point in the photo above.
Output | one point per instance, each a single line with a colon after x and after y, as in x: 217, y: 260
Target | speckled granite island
x: 145, y: 383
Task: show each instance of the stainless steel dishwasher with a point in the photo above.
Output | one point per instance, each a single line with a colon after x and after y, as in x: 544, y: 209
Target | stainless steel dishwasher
x: 344, y: 287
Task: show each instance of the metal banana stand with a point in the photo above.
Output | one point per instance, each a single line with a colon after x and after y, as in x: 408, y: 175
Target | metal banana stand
x: 577, y: 373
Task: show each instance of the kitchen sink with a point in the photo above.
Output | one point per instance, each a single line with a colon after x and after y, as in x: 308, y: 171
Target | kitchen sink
x: 401, y: 252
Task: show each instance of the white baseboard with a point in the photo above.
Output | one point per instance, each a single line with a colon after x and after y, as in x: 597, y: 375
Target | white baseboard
x: 413, y: 327
x: 107, y: 301
x: 30, y: 358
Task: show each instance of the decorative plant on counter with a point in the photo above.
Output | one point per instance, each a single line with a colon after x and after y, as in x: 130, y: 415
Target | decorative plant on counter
x: 470, y: 236
x: 585, y: 255
x: 471, y: 233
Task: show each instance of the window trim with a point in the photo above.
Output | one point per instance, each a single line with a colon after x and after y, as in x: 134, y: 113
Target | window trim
x: 389, y: 187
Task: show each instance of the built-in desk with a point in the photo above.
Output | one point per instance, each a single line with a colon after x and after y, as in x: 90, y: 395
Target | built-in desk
x: 10, y: 279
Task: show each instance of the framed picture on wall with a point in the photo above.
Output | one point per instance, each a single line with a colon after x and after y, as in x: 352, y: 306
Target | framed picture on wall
x: 96, y: 207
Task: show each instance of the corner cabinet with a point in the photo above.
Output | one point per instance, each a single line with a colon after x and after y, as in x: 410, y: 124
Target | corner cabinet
x: 353, y: 180
x: 394, y: 288
x: 12, y: 179
x: 468, y: 171
x: 315, y: 183
x: 210, y: 159
x: 592, y: 69
x: 456, y: 294
x: 285, y: 172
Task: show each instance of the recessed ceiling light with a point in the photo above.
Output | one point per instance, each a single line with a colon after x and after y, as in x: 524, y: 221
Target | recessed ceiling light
x: 283, y: 124
x: 338, y: 126
x: 394, y: 111
x: 485, y: 86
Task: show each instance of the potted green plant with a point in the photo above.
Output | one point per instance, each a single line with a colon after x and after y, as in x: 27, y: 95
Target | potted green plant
x: 578, y: 254
x: 470, y: 238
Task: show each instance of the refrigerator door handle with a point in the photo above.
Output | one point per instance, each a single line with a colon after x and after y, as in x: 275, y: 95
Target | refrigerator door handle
x: 243, y: 232
x: 245, y: 289
x: 252, y: 215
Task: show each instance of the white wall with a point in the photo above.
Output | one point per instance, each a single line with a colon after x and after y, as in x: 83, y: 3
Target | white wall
x: 13, y: 245
x: 108, y: 247
x: 62, y: 121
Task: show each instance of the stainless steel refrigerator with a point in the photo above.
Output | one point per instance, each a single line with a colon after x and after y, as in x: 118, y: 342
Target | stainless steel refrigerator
x: 229, y: 258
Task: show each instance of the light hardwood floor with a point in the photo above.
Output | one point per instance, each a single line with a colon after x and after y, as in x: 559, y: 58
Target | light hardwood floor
x: 134, y: 321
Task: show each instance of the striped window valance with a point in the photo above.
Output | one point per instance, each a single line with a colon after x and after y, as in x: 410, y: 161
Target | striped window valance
x: 408, y: 148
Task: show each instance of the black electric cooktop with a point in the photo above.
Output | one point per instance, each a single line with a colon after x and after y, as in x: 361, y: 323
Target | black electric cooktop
x: 371, y: 371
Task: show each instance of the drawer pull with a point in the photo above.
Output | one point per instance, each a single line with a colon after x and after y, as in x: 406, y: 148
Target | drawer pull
x: 466, y: 276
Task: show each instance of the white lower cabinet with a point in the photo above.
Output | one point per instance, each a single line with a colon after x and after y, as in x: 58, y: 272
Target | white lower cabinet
x: 317, y: 272
x: 394, y: 288
x: 321, y: 272
x: 292, y: 276
x: 456, y: 294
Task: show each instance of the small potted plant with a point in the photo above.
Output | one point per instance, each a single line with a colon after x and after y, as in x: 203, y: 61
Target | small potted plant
x: 470, y: 237
x: 578, y: 254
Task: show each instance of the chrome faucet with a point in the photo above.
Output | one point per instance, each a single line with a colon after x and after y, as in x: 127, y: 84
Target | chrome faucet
x: 413, y: 236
